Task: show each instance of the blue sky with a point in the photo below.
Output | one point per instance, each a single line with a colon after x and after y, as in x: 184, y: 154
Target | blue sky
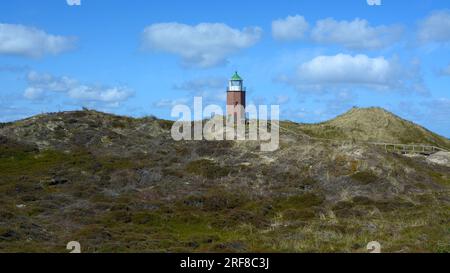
x: 316, y: 59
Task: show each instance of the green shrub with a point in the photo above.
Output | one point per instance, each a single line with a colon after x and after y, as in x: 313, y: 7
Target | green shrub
x: 440, y: 178
x: 216, y: 200
x: 365, y: 177
x: 298, y: 214
x: 237, y: 217
x: 145, y: 218
x: 118, y: 124
x: 346, y: 209
x: 306, y: 200
x: 165, y: 124
x: 207, y: 168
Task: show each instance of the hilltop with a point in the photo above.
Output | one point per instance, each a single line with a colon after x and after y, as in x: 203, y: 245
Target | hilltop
x: 120, y: 184
x: 374, y: 125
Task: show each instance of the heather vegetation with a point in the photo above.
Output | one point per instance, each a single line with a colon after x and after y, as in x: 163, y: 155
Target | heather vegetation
x: 118, y: 184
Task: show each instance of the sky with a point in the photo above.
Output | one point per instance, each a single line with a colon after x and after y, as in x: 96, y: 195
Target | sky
x: 316, y: 59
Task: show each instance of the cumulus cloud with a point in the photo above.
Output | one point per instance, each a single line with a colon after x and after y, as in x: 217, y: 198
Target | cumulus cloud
x: 41, y: 85
x: 435, y: 28
x: 356, y: 34
x: 342, y: 70
x: 33, y: 93
x: 48, y: 82
x: 99, y: 94
x: 203, y: 45
x: 290, y: 28
x: 32, y: 42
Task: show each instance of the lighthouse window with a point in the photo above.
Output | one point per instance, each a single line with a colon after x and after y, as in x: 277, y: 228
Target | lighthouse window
x: 235, y: 83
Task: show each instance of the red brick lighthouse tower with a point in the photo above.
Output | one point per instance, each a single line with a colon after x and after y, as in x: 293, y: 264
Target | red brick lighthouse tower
x: 236, y: 98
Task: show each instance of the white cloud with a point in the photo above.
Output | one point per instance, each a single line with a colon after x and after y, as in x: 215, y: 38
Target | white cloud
x: 33, y: 93
x: 99, y: 94
x: 356, y: 34
x: 40, y: 85
x: 49, y: 82
x: 290, y: 28
x: 435, y: 28
x: 374, y: 2
x: 341, y: 70
x: 31, y: 42
x: 204, y: 45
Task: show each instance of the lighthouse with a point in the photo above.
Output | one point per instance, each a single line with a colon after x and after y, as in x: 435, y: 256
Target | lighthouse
x: 236, y: 98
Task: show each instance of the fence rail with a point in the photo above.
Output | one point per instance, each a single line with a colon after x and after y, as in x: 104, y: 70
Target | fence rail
x: 410, y: 148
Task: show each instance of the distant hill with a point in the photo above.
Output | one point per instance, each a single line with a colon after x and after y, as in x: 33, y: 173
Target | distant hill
x: 374, y: 125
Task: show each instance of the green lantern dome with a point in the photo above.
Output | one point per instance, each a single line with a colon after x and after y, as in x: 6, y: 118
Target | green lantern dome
x: 236, y: 77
